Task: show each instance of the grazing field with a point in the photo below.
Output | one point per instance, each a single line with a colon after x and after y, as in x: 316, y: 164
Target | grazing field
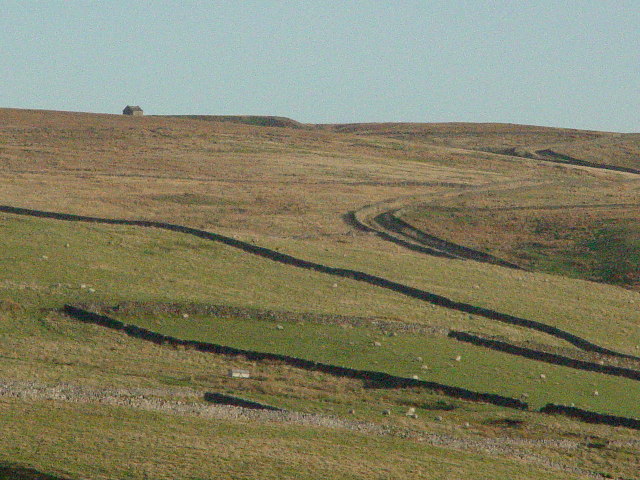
x: 432, y: 357
x: 82, y: 401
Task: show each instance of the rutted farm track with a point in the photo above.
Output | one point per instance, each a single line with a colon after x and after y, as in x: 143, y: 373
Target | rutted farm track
x: 383, y: 220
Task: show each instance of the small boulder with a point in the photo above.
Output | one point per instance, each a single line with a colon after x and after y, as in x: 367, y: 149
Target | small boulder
x: 386, y: 412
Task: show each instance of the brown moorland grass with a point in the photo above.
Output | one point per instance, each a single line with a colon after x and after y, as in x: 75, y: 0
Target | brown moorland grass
x: 608, y: 148
x: 268, y: 180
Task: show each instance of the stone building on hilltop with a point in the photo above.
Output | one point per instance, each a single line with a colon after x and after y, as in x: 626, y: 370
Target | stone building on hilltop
x: 134, y: 110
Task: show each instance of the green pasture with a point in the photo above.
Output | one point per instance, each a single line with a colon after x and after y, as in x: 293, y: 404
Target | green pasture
x: 405, y: 355
x: 47, y: 263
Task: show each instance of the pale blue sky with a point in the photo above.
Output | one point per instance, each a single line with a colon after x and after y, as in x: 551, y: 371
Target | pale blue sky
x: 557, y: 63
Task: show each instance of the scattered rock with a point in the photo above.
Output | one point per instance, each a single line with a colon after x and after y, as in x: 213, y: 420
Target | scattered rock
x: 92, y: 290
x: 377, y: 344
x: 185, y: 315
x: 418, y: 359
x: 458, y: 358
x: 438, y: 418
x: 467, y: 424
x: 411, y: 411
x: 66, y: 245
x: 386, y: 412
x: 425, y: 367
x: 44, y: 257
x: 352, y: 411
x: 543, y: 376
x: 279, y: 327
x: 83, y: 286
x: 415, y: 377
x: 596, y: 393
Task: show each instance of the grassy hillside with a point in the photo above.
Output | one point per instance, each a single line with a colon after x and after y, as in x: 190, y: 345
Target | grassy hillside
x: 591, y: 236
x: 80, y: 401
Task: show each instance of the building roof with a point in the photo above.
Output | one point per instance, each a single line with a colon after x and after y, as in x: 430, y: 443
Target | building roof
x: 134, y: 108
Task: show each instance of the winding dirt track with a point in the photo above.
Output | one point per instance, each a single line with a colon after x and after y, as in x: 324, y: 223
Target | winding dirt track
x: 383, y: 219
x: 285, y: 259
x: 387, y: 225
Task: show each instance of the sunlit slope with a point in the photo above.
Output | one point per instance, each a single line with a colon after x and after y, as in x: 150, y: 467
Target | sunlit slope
x: 282, y: 181
x: 293, y: 188
x: 290, y: 189
x: 59, y: 262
